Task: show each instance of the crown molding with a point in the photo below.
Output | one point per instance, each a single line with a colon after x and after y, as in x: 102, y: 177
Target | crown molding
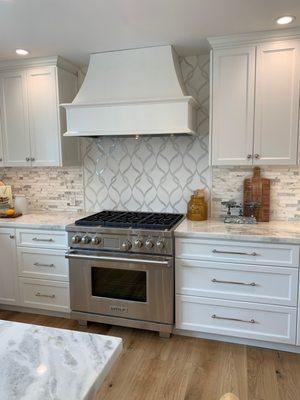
x: 253, y: 37
x: 55, y: 61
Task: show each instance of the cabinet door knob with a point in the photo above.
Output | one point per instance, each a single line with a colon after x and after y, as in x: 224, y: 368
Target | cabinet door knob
x: 249, y: 156
x: 27, y: 158
x: 11, y: 236
x: 0, y: 159
x: 257, y: 156
x: 32, y: 159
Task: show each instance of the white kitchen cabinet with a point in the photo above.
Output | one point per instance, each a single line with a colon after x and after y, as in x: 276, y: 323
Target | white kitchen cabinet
x: 242, y: 289
x: 277, y: 103
x: 43, y: 264
x: 1, y: 147
x: 43, y: 116
x: 31, y: 120
x: 43, y: 269
x: 233, y: 106
x: 46, y: 239
x: 281, y: 255
x: 8, y: 268
x: 45, y: 294
x: 14, y: 118
x: 240, y: 282
x: 238, y: 319
x: 255, y: 100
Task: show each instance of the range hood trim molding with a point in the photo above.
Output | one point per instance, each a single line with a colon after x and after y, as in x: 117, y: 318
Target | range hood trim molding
x: 188, y: 99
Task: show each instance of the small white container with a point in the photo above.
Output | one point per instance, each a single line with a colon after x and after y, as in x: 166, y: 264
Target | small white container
x: 21, y: 204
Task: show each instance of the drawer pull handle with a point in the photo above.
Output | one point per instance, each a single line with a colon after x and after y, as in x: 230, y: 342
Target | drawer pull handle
x: 50, y: 296
x: 36, y: 239
x: 247, y: 321
x: 215, y: 251
x: 43, y: 265
x: 214, y: 280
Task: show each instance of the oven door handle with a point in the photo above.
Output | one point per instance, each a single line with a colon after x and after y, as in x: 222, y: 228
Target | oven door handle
x: 71, y: 255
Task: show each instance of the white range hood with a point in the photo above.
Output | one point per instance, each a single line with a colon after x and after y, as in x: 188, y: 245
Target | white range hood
x: 132, y: 92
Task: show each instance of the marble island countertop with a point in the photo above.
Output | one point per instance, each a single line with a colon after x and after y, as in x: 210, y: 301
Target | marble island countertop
x: 40, y: 363
x: 271, y: 232
x: 42, y: 220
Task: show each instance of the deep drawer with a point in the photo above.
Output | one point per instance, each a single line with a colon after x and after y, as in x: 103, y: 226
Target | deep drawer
x: 246, y: 320
x: 47, y: 295
x: 43, y: 264
x: 42, y: 239
x: 259, y: 284
x: 238, y: 252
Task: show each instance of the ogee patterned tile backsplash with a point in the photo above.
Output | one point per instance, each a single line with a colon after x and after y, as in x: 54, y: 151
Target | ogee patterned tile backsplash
x: 151, y: 173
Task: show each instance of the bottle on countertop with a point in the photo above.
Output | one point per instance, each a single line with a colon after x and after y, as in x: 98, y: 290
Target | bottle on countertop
x: 21, y: 204
x: 197, y: 206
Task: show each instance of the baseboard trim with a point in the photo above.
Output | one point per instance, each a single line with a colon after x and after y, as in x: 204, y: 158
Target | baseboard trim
x: 248, y: 342
x: 34, y: 311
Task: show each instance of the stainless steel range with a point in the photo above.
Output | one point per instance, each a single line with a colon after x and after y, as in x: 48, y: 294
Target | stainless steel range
x: 122, y: 269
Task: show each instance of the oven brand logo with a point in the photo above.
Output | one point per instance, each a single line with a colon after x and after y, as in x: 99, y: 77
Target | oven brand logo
x: 118, y: 309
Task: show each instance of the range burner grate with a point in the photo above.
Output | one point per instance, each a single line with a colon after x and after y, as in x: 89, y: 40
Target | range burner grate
x: 128, y: 219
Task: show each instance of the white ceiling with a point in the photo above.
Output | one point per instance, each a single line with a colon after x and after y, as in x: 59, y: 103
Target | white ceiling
x: 75, y: 28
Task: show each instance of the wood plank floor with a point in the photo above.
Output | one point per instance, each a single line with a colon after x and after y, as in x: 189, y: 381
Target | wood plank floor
x: 184, y: 368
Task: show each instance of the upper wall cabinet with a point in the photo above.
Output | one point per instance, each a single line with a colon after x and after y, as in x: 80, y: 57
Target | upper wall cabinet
x: 277, y: 103
x: 233, y: 106
x: 31, y: 119
x: 255, y: 101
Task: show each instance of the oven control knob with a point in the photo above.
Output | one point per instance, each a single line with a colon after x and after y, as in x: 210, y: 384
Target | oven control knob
x: 149, y: 244
x: 126, y: 245
x: 76, y: 239
x: 138, y: 243
x: 96, y: 240
x: 160, y: 244
x: 85, y: 239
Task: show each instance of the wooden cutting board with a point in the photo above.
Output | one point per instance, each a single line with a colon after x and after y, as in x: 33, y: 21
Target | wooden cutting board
x: 257, y: 190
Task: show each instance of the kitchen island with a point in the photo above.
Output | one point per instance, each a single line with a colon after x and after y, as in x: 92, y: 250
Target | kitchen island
x: 41, y: 363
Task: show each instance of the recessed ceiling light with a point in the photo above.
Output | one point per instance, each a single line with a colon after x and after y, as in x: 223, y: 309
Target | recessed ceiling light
x: 22, y: 52
x: 285, y: 19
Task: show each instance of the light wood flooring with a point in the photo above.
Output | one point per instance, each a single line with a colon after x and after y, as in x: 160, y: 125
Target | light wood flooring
x: 184, y: 368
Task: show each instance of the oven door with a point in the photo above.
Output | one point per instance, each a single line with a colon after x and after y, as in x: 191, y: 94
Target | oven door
x: 122, y: 285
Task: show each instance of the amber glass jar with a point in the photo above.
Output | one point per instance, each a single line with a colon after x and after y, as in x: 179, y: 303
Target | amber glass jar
x: 197, y: 206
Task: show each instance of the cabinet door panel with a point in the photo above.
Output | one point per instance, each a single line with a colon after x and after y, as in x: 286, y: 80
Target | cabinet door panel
x: 233, y: 106
x: 1, y: 144
x: 8, y: 268
x: 43, y: 116
x: 277, y: 103
x: 14, y: 115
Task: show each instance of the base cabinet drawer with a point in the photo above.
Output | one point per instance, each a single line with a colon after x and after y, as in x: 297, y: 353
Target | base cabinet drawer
x: 240, y: 282
x: 40, y: 238
x: 43, y: 264
x: 245, y: 320
x: 282, y: 255
x: 47, y: 295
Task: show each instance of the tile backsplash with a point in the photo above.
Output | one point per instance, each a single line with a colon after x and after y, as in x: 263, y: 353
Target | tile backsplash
x: 152, y: 173
x: 227, y: 183
x: 51, y: 189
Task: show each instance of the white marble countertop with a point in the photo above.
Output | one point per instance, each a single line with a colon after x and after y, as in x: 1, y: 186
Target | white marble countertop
x: 42, y: 220
x: 270, y: 232
x: 40, y: 363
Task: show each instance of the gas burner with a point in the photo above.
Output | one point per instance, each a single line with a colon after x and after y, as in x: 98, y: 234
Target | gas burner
x: 128, y: 219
